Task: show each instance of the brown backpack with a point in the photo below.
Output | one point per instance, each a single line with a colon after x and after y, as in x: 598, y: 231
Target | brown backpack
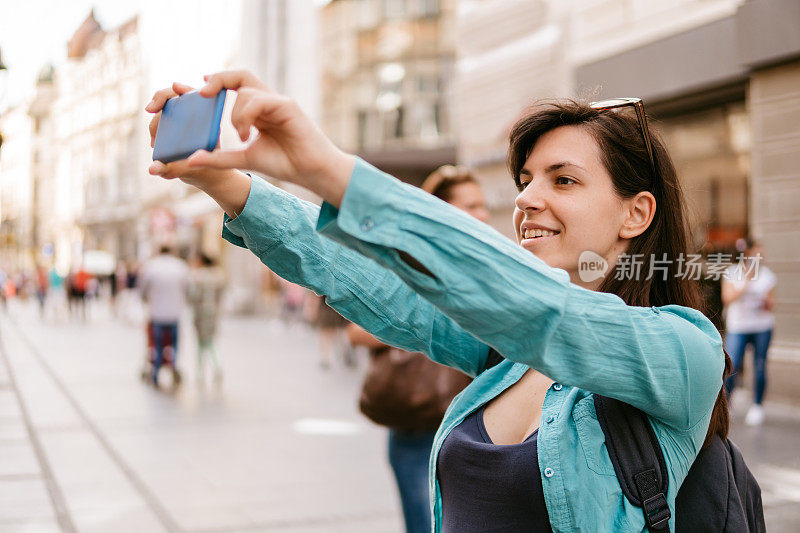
x: 408, y: 391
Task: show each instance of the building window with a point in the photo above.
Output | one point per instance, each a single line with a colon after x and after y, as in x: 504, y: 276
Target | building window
x: 394, y: 9
x: 393, y: 124
x: 426, y: 122
x: 428, y: 83
x: 428, y: 7
x: 362, y: 129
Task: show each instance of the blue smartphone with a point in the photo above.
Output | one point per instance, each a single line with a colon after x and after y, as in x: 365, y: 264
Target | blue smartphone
x: 188, y: 123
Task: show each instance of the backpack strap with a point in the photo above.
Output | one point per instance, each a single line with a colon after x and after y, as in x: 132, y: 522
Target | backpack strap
x: 637, y: 458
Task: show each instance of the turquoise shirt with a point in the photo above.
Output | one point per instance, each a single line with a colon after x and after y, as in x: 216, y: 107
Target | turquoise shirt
x: 484, y: 290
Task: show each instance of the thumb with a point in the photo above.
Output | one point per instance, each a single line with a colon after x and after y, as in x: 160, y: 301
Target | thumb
x: 220, y: 159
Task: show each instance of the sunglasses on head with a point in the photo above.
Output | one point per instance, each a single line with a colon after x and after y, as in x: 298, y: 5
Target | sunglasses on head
x: 638, y: 106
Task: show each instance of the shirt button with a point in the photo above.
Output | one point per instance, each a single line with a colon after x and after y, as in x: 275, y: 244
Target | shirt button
x: 367, y: 224
x: 557, y: 386
x: 550, y: 419
x: 548, y: 472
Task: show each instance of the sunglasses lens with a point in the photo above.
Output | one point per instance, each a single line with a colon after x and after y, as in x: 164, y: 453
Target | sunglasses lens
x: 614, y: 102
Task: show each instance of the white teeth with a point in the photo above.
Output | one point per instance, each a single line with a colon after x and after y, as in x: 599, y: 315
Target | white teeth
x: 533, y: 233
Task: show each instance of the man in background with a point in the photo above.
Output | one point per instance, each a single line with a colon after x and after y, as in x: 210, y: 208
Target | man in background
x: 163, y: 283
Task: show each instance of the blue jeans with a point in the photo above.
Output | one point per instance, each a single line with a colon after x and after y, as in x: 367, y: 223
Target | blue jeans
x: 735, y: 344
x: 164, y: 334
x: 409, y: 453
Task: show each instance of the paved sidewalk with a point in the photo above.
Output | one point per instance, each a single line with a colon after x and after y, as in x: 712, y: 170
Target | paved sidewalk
x: 772, y: 452
x: 86, y: 446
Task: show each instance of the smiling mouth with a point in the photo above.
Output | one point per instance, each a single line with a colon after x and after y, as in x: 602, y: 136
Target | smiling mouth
x: 536, y: 233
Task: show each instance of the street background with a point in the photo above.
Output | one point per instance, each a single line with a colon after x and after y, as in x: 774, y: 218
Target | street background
x: 408, y: 85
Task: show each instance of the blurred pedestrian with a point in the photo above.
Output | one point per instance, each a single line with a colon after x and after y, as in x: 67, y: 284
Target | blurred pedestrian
x: 116, y: 284
x: 292, y: 296
x: 78, y: 287
x: 331, y: 340
x: 406, y: 391
x: 57, y: 295
x: 163, y: 282
x: 3, y: 281
x: 205, y: 297
x: 9, y: 288
x: 129, y: 303
x: 42, y: 286
x: 748, y: 292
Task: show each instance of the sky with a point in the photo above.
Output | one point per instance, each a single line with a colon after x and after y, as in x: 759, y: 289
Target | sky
x: 35, y: 32
x: 182, y: 39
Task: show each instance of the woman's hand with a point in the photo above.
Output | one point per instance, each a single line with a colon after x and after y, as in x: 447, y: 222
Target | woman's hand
x: 289, y: 145
x: 228, y: 187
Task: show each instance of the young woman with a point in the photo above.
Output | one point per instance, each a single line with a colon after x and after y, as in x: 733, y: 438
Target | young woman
x: 748, y: 293
x: 520, y: 448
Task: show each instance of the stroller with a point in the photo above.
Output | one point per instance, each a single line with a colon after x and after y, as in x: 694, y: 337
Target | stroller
x: 168, y: 355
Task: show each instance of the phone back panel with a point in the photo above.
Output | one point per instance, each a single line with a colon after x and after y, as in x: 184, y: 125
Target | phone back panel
x: 188, y: 123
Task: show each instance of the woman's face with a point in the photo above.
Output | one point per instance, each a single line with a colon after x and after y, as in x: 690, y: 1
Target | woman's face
x: 469, y: 197
x: 568, y: 194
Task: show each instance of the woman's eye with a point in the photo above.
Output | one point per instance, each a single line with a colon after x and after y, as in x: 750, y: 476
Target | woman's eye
x: 522, y: 184
x: 564, y: 180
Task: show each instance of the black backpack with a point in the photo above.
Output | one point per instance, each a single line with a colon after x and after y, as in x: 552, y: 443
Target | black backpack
x: 719, y: 493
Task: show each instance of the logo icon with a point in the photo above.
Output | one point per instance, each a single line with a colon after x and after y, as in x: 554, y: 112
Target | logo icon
x: 591, y: 266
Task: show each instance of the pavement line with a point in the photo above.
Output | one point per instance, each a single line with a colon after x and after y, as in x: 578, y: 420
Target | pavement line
x: 139, y: 485
x: 53, y: 489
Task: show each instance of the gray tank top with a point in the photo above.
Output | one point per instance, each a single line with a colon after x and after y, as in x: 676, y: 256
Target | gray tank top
x: 489, y: 487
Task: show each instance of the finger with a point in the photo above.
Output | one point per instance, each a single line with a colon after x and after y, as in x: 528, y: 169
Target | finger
x: 181, y: 88
x: 265, y: 108
x: 175, y: 169
x: 221, y: 159
x: 157, y: 168
x: 159, y: 99
x: 153, y: 127
x: 230, y: 79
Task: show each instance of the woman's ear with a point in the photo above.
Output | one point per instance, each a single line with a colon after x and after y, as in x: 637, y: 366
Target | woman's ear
x: 640, y: 211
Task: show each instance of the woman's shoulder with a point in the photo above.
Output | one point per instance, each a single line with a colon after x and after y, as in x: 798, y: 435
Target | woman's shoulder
x: 691, y: 321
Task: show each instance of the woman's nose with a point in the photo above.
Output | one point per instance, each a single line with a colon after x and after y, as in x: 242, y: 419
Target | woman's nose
x: 531, y: 197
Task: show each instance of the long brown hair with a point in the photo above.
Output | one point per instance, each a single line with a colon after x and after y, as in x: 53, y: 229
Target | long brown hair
x: 626, y: 159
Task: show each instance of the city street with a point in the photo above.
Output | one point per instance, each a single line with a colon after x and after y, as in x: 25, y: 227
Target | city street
x: 86, y: 446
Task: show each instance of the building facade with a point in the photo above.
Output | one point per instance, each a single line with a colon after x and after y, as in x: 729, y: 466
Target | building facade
x: 16, y: 189
x: 387, y: 70
x: 99, y: 138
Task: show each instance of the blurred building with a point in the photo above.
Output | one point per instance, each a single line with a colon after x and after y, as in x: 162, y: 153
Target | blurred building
x: 510, y: 53
x: 45, y: 229
x: 16, y: 189
x: 99, y: 132
x: 278, y: 43
x: 387, y: 69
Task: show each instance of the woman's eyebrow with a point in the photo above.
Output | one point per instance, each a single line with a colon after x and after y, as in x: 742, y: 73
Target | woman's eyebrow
x: 558, y: 166
x: 552, y: 168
